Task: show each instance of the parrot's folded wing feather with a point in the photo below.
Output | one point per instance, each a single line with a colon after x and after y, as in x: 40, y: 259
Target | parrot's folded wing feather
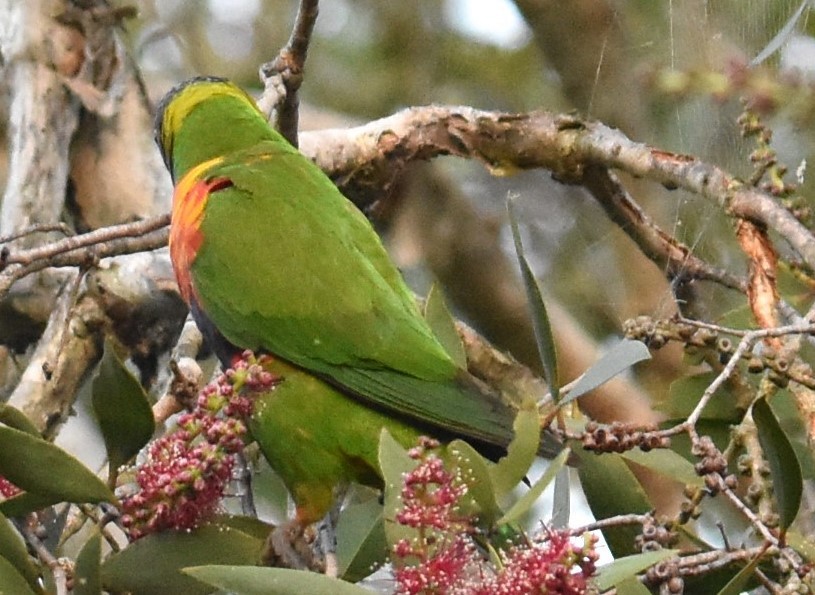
x: 290, y: 266
x: 451, y: 406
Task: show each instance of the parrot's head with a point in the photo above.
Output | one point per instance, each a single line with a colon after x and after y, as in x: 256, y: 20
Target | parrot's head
x: 203, y: 118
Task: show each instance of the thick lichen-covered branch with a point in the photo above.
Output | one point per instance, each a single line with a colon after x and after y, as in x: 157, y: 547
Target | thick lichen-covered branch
x: 367, y: 159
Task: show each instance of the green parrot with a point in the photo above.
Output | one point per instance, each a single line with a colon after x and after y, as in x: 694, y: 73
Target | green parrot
x: 271, y: 257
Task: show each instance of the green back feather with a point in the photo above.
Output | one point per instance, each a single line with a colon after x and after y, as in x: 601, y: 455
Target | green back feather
x: 290, y: 266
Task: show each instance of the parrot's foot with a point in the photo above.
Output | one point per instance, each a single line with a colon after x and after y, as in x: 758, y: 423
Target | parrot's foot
x: 304, y: 547
x: 327, y: 544
x: 291, y: 545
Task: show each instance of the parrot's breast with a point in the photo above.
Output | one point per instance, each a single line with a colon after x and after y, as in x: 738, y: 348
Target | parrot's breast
x: 189, y: 201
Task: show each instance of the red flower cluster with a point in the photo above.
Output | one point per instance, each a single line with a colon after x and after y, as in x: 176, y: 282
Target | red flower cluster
x: 430, y: 493
x: 444, y: 559
x: 183, y: 479
x: 8, y: 489
x: 549, y: 564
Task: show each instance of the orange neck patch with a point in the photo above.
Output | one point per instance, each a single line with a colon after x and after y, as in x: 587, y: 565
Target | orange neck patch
x: 189, y: 200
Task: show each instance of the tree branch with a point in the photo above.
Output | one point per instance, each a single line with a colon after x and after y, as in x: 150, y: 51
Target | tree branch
x: 669, y: 254
x: 84, y: 249
x: 283, y: 76
x: 68, y: 348
x: 366, y: 160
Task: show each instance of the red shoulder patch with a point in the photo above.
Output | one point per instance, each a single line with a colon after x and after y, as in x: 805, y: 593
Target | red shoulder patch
x: 189, y: 201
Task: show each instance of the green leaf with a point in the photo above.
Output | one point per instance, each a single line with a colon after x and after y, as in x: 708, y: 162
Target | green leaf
x: 153, y: 564
x: 475, y: 472
x: 722, y: 412
x: 248, y: 580
x: 612, y: 489
x: 785, y: 408
x: 540, y: 318
x: 122, y: 408
x: 739, y: 583
x: 12, y: 581
x: 87, y: 577
x: 443, y: 324
x: 43, y: 469
x: 619, y: 358
x: 684, y: 393
x: 525, y: 502
x: 394, y: 462
x: 802, y: 544
x: 13, y: 549
x: 624, y: 568
x: 24, y: 503
x: 17, y: 419
x: 632, y: 586
x: 561, y: 502
x: 252, y: 526
x: 666, y: 462
x: 361, y: 543
x: 511, y: 469
x: 785, y: 470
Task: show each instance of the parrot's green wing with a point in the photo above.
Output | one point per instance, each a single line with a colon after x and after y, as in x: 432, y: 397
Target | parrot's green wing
x: 289, y: 265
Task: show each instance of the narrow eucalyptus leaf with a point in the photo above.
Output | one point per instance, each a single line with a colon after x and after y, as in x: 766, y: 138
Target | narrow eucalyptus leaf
x: 43, y: 469
x: 511, y: 469
x: 540, y: 318
x: 440, y: 319
x: 394, y: 462
x: 738, y: 584
x: 17, y: 419
x: 612, y: 489
x: 475, y: 471
x: 785, y: 470
x: 561, y: 504
x: 252, y: 580
x: 160, y: 558
x: 13, y: 549
x: 11, y: 581
x: 525, y: 502
x: 87, y: 575
x: 122, y: 408
x: 619, y: 358
x: 361, y: 543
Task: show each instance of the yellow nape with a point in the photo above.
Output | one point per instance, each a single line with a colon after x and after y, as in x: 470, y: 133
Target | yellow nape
x: 190, y: 96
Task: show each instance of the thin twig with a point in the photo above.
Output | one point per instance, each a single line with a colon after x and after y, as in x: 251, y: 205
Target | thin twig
x: 768, y: 536
x: 615, y: 521
x: 86, y: 249
x: 669, y: 254
x: 101, y: 517
x: 768, y: 583
x: 37, y: 228
x: 47, y: 558
x: 283, y: 76
x: 746, y: 343
x: 707, y: 562
x: 98, y: 236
